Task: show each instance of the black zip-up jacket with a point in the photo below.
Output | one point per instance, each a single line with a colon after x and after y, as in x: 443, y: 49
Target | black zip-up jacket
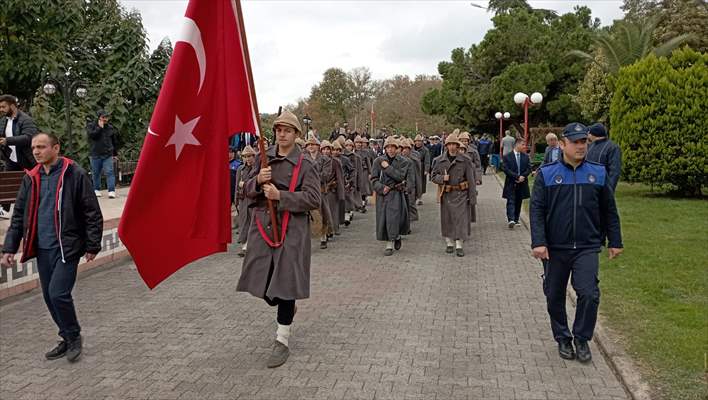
x: 573, y: 208
x: 23, y: 129
x: 103, y: 141
x: 77, y: 218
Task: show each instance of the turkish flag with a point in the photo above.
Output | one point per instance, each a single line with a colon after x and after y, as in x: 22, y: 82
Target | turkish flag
x: 178, y: 209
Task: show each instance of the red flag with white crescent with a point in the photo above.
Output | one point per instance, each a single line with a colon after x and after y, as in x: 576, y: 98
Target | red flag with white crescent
x: 178, y: 209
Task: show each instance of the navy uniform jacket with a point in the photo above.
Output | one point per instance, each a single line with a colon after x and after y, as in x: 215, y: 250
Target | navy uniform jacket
x: 573, y: 209
x: 511, y: 172
x: 607, y: 153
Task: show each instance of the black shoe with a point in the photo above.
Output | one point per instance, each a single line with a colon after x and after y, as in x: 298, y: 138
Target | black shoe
x: 449, y: 249
x: 363, y: 210
x: 346, y: 223
x: 388, y: 252
x: 57, y: 352
x: 583, y: 349
x: 323, y: 244
x: 397, y: 244
x: 511, y: 224
x: 73, y: 351
x: 565, y: 349
x: 460, y: 252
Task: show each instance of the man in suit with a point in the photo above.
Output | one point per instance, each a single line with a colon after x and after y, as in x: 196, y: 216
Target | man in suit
x: 517, y: 168
x: 553, y: 151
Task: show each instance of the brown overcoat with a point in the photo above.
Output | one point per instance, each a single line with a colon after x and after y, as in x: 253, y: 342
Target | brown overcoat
x: 365, y: 178
x: 392, y: 219
x: 290, y: 262
x: 455, y: 206
x: 244, y: 213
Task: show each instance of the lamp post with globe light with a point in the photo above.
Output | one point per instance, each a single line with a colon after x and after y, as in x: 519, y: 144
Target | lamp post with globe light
x: 501, y: 117
x: 524, y: 100
x: 307, y: 120
x: 67, y: 88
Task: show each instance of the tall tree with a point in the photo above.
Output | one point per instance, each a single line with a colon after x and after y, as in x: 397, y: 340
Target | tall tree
x: 334, y: 93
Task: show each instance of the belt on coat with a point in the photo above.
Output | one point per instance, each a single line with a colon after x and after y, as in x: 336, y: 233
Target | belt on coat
x: 462, y: 186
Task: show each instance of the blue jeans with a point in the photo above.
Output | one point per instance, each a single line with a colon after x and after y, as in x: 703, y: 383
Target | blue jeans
x: 57, y: 279
x: 99, y: 164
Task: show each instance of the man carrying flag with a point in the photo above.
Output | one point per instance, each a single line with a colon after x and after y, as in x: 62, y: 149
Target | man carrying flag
x: 277, y: 269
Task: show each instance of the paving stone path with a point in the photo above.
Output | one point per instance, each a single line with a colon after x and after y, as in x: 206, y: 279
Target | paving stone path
x: 418, y: 325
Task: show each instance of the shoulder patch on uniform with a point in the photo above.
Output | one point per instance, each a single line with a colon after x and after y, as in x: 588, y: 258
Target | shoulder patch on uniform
x: 558, y: 179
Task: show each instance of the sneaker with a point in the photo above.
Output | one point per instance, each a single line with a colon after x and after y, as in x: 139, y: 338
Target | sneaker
x: 517, y: 223
x: 511, y: 224
x: 278, y: 356
x: 565, y: 349
x: 111, y: 195
x: 57, y: 352
x: 98, y: 193
x: 4, y: 214
x: 73, y: 351
x: 583, y: 350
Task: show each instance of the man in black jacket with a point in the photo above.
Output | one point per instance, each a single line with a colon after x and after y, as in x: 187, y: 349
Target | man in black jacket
x: 16, y: 131
x: 604, y: 151
x: 58, y: 220
x: 573, y: 205
x: 103, y: 139
x: 517, y: 168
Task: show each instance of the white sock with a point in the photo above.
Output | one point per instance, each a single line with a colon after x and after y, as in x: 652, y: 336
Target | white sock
x: 448, y: 242
x: 324, y: 238
x: 389, y: 245
x: 244, y: 246
x: 347, y: 217
x: 283, y: 334
x: 458, y: 243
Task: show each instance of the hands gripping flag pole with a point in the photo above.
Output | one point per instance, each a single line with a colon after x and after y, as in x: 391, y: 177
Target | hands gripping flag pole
x: 178, y: 207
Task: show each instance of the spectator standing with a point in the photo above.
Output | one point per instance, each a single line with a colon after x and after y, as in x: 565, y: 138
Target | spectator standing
x: 484, y: 148
x: 507, y: 143
x: 604, y: 151
x: 103, y: 141
x: 517, y: 167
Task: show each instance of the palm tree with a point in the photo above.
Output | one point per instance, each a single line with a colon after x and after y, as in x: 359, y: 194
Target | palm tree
x: 628, y: 43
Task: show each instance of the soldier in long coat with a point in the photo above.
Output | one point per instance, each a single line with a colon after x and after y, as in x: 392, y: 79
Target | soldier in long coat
x: 455, y: 172
x: 348, y: 173
x: 322, y: 218
x: 473, y: 154
x: 360, y: 144
x: 277, y: 269
x: 244, y: 213
x: 413, y: 178
x: 426, y: 161
x: 333, y: 184
x: 354, y: 197
x: 388, y: 179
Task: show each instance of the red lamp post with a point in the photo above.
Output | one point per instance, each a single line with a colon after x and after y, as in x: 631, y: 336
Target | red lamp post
x: 501, y: 117
x: 524, y: 100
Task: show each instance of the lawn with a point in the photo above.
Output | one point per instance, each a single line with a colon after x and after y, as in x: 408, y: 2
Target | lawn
x: 656, y: 294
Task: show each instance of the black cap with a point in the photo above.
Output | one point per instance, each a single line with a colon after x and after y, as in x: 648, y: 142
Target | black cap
x: 598, y: 130
x: 103, y: 113
x: 574, y: 131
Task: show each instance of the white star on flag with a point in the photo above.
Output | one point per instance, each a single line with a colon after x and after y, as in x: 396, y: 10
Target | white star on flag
x: 183, y: 135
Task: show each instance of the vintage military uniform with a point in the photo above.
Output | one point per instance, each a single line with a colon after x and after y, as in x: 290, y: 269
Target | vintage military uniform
x: 389, y: 183
x: 244, y: 213
x: 332, y: 189
x: 277, y: 269
x: 457, y: 192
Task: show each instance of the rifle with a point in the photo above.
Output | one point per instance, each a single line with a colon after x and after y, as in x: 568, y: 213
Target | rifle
x: 271, y: 203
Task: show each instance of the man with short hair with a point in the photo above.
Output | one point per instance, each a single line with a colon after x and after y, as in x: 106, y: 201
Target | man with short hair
x: 507, y: 143
x: 484, y: 148
x: 517, y: 167
x: 604, y: 151
x: 103, y: 142
x: 553, y: 151
x: 572, y: 208
x: 58, y: 220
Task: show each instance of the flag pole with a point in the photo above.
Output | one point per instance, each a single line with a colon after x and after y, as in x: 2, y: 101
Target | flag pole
x: 261, y: 141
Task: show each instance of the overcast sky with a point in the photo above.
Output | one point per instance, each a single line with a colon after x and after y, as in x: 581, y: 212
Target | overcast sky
x: 293, y: 42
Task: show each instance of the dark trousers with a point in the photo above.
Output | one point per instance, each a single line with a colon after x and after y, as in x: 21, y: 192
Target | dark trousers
x: 485, y: 162
x: 286, y: 308
x: 582, y: 268
x: 513, y: 206
x: 57, y: 279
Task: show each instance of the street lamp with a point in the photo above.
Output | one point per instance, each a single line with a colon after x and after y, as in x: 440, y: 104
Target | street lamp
x: 522, y: 99
x: 501, y: 117
x: 67, y: 88
x: 307, y: 120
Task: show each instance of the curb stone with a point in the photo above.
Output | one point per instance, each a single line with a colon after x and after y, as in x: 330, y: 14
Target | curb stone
x: 624, y: 368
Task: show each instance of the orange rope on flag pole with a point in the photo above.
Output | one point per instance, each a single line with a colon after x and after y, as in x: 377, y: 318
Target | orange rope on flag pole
x: 261, y: 141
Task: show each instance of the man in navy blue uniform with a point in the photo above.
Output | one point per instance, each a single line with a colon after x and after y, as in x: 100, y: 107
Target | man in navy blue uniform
x: 604, y: 151
x: 517, y: 168
x: 572, y: 206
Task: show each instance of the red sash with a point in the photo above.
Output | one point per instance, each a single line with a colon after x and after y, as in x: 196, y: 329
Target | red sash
x: 286, y: 214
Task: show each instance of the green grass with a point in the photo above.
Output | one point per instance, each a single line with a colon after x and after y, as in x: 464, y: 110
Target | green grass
x: 656, y: 294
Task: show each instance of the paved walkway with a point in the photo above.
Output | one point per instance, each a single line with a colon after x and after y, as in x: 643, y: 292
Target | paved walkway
x: 419, y: 325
